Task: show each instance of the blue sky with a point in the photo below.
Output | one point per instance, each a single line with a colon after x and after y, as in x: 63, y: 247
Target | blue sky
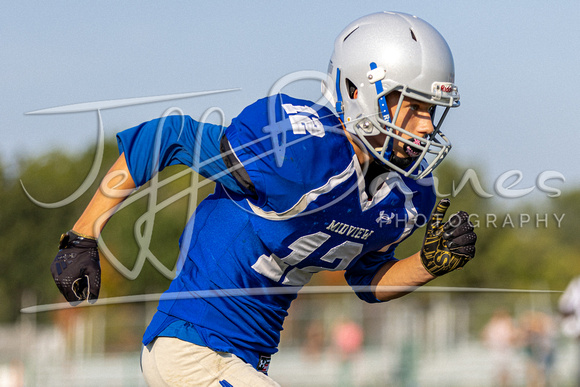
x: 516, y: 68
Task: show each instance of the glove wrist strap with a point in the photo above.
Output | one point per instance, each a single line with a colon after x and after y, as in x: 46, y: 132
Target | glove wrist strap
x: 78, y: 234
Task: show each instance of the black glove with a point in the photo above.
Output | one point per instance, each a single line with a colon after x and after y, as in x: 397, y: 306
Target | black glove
x: 76, y: 269
x: 447, y: 246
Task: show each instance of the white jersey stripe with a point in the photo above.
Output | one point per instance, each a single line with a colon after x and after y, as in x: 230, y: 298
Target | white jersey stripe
x: 311, y: 196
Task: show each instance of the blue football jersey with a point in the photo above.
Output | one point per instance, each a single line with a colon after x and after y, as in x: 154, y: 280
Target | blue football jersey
x: 302, y: 208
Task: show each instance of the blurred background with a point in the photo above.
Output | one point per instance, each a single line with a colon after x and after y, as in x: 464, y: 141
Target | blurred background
x: 513, y: 167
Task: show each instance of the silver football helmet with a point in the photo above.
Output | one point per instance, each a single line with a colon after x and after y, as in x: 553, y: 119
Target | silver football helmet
x: 383, y: 53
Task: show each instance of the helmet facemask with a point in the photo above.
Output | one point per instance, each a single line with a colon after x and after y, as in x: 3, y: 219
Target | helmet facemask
x: 423, y: 153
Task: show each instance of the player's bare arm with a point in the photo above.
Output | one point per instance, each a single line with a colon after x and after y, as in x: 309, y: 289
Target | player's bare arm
x: 397, y: 278
x: 447, y: 246
x: 114, y: 189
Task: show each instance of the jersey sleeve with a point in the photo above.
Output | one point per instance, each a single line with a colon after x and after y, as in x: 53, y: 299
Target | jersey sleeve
x: 172, y: 140
x: 361, y: 274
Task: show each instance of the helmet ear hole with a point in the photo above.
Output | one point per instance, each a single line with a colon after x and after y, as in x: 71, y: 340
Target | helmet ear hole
x: 352, y: 89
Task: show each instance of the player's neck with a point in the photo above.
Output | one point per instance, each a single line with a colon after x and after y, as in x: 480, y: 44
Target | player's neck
x: 361, y: 154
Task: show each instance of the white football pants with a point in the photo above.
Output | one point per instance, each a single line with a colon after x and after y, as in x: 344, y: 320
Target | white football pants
x: 168, y: 361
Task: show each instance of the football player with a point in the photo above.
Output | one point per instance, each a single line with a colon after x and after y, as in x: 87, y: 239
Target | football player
x: 300, y: 189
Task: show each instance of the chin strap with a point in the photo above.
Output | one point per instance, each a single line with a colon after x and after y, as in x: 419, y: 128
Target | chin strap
x: 383, y: 107
x: 338, y: 105
x: 382, y: 100
x: 402, y: 162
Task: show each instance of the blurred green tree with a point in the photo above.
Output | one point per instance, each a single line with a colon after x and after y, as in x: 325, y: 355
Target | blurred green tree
x: 511, y: 257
